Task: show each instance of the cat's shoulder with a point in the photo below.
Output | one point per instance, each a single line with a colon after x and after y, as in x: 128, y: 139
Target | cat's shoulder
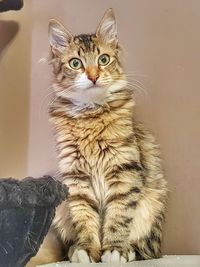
x: 142, y: 133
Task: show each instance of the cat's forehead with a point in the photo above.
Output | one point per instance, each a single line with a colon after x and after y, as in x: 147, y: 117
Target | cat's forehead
x: 86, y: 43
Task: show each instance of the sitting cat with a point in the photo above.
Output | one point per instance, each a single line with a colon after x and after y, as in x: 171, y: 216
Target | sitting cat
x: 109, y: 161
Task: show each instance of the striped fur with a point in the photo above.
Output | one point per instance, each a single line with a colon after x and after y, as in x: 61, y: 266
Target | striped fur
x: 110, y: 163
x: 117, y: 188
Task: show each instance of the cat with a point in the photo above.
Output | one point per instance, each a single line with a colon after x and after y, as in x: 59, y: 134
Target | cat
x: 110, y: 162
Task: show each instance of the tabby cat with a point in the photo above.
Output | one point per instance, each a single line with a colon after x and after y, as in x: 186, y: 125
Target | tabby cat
x: 110, y: 163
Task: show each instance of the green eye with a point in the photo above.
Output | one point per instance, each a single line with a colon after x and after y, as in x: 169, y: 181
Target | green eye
x: 75, y: 63
x: 104, y: 59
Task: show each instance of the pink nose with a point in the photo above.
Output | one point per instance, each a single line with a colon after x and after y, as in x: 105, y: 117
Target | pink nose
x: 93, y: 78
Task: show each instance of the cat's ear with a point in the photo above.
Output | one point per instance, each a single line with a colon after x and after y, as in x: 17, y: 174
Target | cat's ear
x: 59, y: 37
x: 107, y: 28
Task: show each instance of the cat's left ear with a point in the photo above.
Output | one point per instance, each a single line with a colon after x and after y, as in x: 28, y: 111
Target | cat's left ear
x: 107, y: 29
x: 59, y: 37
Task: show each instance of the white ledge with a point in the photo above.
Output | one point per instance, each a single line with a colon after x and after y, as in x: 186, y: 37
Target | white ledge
x: 166, y: 261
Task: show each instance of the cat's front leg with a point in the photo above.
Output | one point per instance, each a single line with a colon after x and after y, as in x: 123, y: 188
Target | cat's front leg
x: 84, y: 217
x: 123, y: 194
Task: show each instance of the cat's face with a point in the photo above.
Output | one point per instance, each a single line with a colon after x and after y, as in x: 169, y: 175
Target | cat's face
x: 87, y: 67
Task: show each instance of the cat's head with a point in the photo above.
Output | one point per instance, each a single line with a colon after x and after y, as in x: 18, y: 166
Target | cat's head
x: 87, y: 66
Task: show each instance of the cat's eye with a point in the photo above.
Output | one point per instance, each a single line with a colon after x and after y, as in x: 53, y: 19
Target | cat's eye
x: 104, y: 60
x: 75, y: 63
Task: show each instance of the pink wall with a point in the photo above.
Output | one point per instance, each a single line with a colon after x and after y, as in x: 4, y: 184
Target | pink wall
x: 161, y: 40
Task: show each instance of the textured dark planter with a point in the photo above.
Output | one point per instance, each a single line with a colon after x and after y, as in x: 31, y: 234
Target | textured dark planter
x: 27, y: 209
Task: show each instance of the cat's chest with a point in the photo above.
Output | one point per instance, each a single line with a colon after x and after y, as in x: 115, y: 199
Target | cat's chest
x: 82, y: 146
x: 87, y: 151
x: 91, y: 146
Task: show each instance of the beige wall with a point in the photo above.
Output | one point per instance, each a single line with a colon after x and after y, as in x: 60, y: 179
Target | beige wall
x: 162, y: 43
x: 15, y: 46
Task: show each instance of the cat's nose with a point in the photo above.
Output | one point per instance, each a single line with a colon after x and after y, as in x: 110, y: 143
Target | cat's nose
x: 93, y: 78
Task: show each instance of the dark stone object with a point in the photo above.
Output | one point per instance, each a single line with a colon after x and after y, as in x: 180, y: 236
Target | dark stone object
x: 6, y: 5
x: 27, y: 209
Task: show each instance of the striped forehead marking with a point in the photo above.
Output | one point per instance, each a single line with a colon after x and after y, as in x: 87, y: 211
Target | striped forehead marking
x: 86, y: 43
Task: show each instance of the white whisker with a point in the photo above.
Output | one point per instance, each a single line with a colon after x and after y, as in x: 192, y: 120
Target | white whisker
x: 43, y: 101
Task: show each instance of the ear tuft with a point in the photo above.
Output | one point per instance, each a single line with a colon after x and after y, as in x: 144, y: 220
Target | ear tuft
x: 59, y: 37
x: 107, y: 28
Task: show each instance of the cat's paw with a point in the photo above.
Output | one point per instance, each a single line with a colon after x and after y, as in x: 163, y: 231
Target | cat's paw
x: 80, y: 256
x: 84, y: 255
x: 116, y: 256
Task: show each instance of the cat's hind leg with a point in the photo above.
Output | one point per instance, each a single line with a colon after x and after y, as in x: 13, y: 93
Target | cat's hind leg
x: 50, y: 251
x: 149, y: 247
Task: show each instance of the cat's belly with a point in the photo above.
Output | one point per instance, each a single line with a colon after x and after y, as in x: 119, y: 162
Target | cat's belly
x: 100, y: 190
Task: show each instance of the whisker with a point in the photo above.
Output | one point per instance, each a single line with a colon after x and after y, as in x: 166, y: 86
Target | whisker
x: 137, y: 87
x: 131, y: 83
x: 43, y: 101
x: 52, y: 93
x: 137, y: 74
x: 139, y: 84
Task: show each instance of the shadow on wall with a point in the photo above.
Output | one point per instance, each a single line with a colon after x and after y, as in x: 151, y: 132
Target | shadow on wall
x: 15, y: 67
x: 8, y: 29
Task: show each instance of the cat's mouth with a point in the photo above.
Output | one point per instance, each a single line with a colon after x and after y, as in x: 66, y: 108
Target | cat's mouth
x: 93, y: 87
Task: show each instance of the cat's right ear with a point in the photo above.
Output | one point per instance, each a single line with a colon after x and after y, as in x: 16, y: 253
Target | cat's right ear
x: 107, y: 28
x: 59, y: 37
